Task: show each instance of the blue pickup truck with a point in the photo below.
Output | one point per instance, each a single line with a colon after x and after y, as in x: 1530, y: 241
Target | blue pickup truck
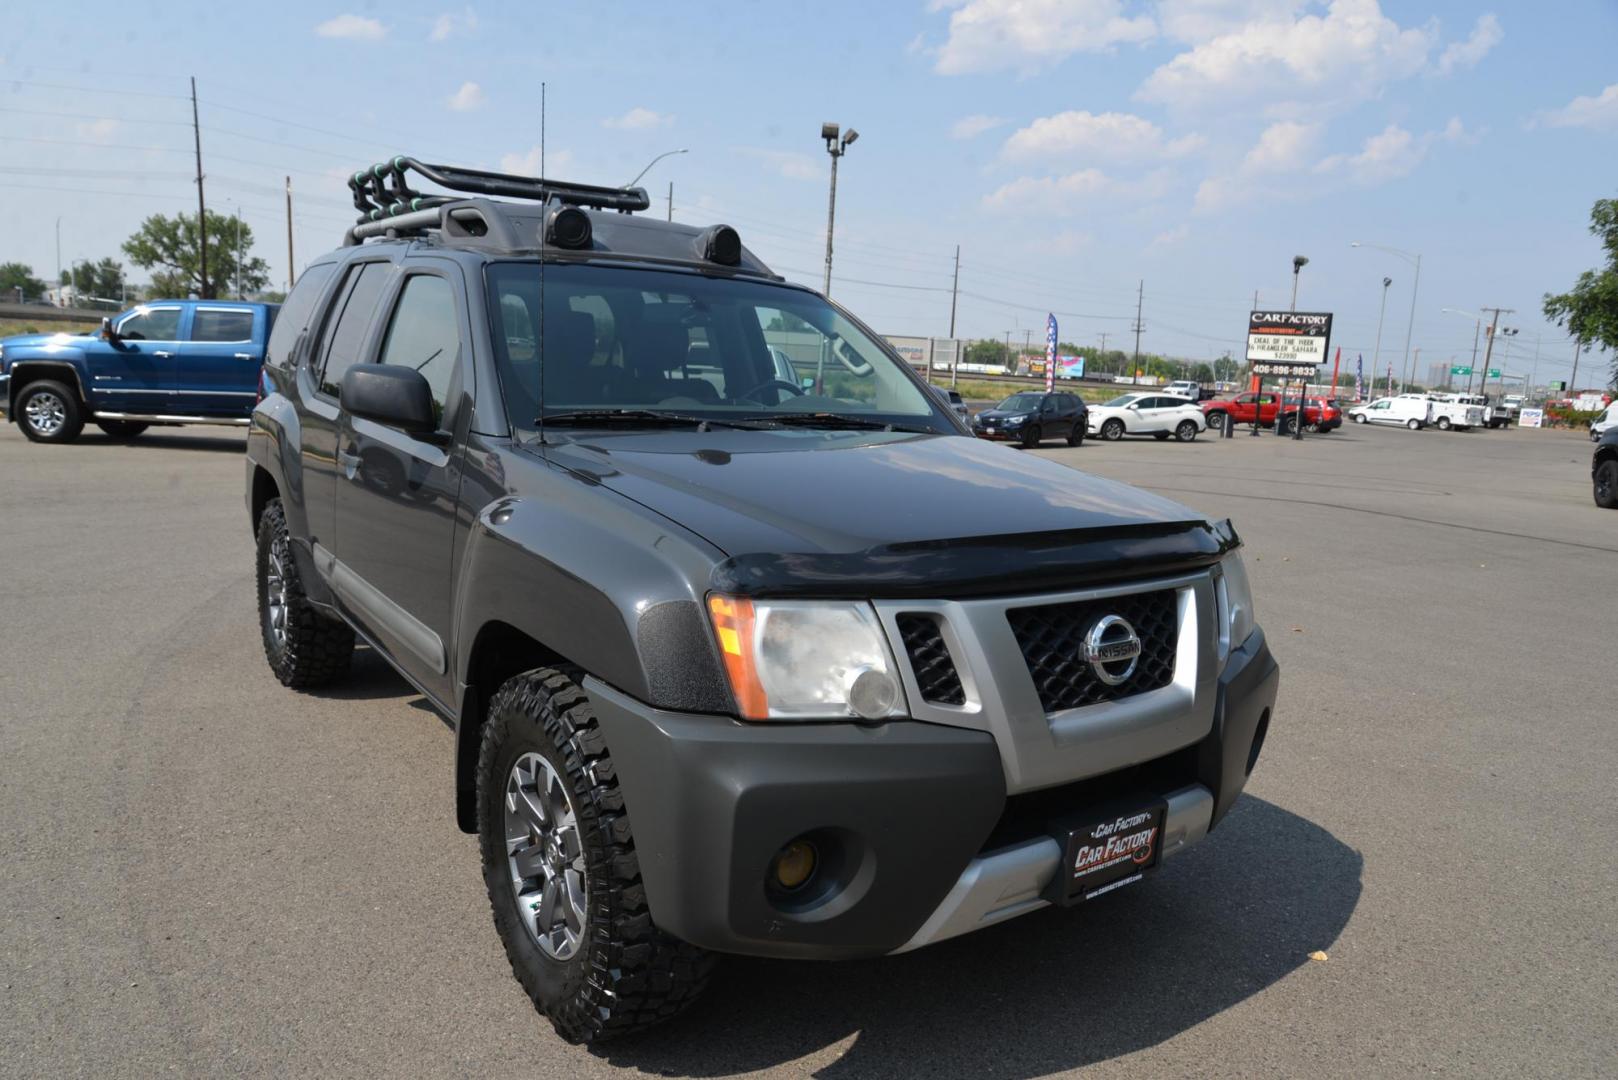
x: 166, y: 362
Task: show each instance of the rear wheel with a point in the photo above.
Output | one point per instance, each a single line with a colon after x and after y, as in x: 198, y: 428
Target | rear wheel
x: 1606, y: 485
x: 562, y: 873
x: 1031, y: 436
x: 1186, y: 430
x: 1444, y: 423
x: 121, y: 429
x: 49, y: 412
x: 1112, y: 430
x: 1413, y: 424
x: 305, y: 648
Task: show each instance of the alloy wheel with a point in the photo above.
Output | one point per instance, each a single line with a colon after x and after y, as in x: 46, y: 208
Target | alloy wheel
x: 545, y: 855
x: 275, y: 590
x: 46, y: 413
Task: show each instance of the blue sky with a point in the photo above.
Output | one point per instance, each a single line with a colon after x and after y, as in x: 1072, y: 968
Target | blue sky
x: 1071, y: 149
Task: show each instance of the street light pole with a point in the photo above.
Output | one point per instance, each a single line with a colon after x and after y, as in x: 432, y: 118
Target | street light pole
x: 837, y: 146
x: 1376, y: 354
x: 654, y: 161
x: 1298, y: 263
x: 1415, y: 259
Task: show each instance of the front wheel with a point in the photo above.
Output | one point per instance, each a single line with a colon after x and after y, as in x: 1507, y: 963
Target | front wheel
x: 1186, y: 430
x: 1216, y: 421
x: 1031, y: 436
x: 1076, y: 436
x: 1413, y: 424
x: 305, y: 647
x: 1606, y: 485
x: 1112, y: 430
x: 121, y: 429
x: 1359, y: 418
x: 49, y: 412
x: 562, y: 873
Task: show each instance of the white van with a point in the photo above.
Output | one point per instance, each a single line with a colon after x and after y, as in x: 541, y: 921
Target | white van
x: 1409, y: 411
x: 1604, y: 423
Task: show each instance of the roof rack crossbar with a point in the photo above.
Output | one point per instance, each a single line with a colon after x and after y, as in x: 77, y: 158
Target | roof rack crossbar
x: 383, y: 190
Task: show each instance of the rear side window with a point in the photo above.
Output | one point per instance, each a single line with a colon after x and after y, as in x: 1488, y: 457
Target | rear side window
x: 424, y: 333
x: 208, y: 324
x: 348, y: 333
x: 294, y: 315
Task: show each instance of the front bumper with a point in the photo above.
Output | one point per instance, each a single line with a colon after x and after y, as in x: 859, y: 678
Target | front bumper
x: 999, y: 434
x: 904, y: 810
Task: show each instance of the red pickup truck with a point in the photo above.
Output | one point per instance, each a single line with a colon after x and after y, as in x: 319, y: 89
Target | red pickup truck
x: 1319, y: 414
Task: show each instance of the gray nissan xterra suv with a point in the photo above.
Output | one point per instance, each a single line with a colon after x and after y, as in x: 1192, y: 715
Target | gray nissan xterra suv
x: 736, y: 662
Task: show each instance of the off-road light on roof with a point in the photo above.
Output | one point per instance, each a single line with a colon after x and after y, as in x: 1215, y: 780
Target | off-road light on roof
x: 720, y: 244
x: 567, y: 227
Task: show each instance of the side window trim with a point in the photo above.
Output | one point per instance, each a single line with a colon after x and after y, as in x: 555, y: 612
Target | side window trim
x: 390, y: 301
x: 334, y: 316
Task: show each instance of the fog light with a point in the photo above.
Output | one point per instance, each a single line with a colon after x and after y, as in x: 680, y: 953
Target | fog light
x: 794, y: 864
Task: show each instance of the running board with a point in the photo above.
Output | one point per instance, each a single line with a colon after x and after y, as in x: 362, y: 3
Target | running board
x: 163, y: 418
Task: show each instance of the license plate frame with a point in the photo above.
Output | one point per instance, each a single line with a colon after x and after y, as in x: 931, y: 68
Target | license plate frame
x: 1110, y: 847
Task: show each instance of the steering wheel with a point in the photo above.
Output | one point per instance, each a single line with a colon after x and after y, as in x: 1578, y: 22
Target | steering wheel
x: 767, y: 383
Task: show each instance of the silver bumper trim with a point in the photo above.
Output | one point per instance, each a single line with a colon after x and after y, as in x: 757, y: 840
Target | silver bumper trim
x: 1003, y: 884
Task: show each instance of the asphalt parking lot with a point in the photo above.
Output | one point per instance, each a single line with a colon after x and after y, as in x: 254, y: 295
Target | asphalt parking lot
x: 204, y: 873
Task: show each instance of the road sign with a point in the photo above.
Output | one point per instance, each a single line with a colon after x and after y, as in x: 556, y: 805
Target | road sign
x: 1461, y: 370
x: 1494, y: 373
x: 1288, y: 337
x: 1559, y: 387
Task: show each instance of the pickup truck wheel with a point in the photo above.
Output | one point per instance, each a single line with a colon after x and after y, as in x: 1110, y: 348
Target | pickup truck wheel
x: 49, y: 412
x: 121, y: 429
x: 1112, y: 430
x: 1443, y: 423
x: 1216, y: 421
x: 1606, y: 485
x: 560, y: 866
x: 304, y: 647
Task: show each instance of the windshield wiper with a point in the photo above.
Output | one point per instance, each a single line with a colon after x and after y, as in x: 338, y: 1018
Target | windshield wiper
x: 641, y: 418
x: 840, y: 420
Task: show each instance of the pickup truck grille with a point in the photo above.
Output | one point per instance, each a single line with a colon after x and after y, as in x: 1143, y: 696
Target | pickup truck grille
x: 1052, y: 641
x: 934, y: 668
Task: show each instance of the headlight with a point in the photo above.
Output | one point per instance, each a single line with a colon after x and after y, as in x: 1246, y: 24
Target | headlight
x: 805, y: 660
x: 1235, y: 595
x: 1013, y: 421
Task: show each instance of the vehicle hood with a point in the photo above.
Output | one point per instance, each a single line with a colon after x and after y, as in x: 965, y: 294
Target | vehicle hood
x: 45, y: 342
x: 891, y: 514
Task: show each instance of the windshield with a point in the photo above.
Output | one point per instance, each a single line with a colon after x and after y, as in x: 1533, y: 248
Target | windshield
x: 1021, y: 403
x: 1121, y: 401
x: 680, y: 343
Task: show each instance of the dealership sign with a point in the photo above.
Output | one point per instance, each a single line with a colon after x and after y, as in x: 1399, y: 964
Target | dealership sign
x: 1288, y: 342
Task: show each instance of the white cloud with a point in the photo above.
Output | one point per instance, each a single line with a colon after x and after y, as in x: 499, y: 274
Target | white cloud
x: 1486, y: 34
x: 1196, y: 21
x: 970, y: 127
x: 97, y: 130
x: 450, y: 23
x: 788, y: 163
x: 1392, y: 153
x: 1599, y: 113
x: 1282, y: 147
x: 1107, y: 136
x: 638, y: 119
x: 1347, y: 54
x: 989, y: 35
x: 468, y: 97
x: 352, y: 27
x: 1068, y: 193
x: 1170, y: 237
x: 527, y: 163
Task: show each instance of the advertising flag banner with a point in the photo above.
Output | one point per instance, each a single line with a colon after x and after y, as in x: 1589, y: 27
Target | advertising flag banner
x: 1050, y: 352
x: 1359, y: 377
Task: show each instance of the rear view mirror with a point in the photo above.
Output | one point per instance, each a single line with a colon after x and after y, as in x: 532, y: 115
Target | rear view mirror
x: 846, y: 356
x: 396, y: 396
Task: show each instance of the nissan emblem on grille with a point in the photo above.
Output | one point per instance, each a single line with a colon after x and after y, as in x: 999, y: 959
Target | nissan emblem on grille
x: 1111, y: 642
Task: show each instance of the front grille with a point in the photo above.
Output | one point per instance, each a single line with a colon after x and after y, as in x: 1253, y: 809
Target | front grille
x: 936, y: 676
x: 1052, y: 642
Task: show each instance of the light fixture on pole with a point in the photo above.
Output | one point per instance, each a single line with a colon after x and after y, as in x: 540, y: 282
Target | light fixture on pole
x: 654, y: 161
x: 1376, y: 354
x: 1298, y: 263
x: 837, y: 146
x: 1414, y: 258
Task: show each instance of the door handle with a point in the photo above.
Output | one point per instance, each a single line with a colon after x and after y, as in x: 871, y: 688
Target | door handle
x: 350, y: 463
x: 161, y: 353
x: 244, y: 356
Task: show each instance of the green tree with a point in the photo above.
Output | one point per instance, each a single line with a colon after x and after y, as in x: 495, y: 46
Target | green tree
x: 103, y: 280
x: 1226, y: 369
x: 171, y: 249
x: 16, y: 275
x: 1589, y: 311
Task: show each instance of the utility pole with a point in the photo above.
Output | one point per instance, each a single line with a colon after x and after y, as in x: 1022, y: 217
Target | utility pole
x: 1008, y: 349
x: 671, y: 200
x: 1573, y: 380
x: 1488, y: 349
x: 1140, y: 297
x: 58, y: 281
x: 1477, y: 328
x: 954, y: 286
x: 1101, y: 357
x: 239, y: 295
x: 291, y: 274
x: 202, y: 208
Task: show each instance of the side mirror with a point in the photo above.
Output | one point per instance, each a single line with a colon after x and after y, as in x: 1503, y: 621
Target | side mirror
x: 395, y: 396
x: 107, y: 332
x: 807, y: 382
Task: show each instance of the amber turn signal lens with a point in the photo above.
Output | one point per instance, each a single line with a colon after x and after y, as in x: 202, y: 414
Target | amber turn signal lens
x: 733, y: 630
x: 795, y: 864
